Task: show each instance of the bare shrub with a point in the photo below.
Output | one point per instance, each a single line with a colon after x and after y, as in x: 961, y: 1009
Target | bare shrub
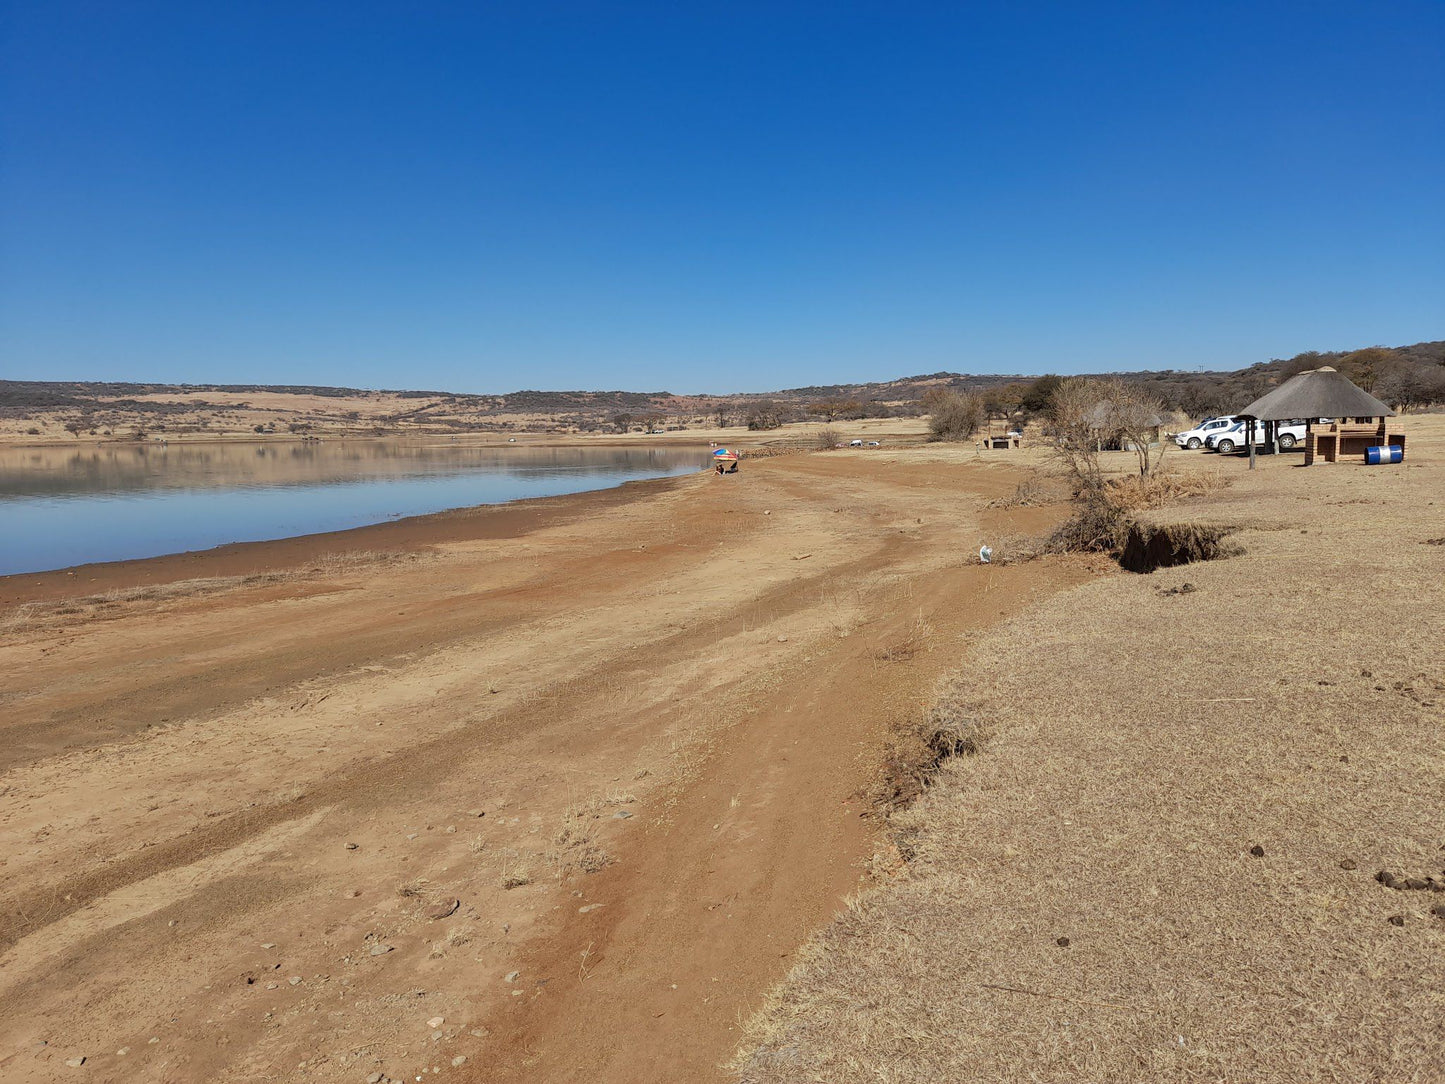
x: 827, y: 437
x: 1088, y: 415
x: 954, y: 415
x: 1071, y: 437
x: 1099, y: 526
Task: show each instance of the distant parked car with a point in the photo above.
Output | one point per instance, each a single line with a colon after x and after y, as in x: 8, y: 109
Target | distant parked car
x: 1228, y: 441
x: 873, y: 444
x: 1196, y: 437
x: 855, y: 444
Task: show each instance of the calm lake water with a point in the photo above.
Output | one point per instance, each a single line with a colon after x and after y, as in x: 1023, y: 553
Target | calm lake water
x: 68, y: 506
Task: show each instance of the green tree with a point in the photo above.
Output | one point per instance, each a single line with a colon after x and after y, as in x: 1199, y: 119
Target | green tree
x: 1366, y: 366
x: 1038, y: 397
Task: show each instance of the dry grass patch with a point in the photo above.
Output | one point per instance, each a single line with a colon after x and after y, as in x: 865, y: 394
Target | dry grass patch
x: 916, y: 637
x: 1160, y: 865
x: 574, y: 846
x: 916, y: 752
x: 1031, y: 492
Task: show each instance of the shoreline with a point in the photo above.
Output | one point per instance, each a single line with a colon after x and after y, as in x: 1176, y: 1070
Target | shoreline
x: 432, y: 774
x: 417, y: 533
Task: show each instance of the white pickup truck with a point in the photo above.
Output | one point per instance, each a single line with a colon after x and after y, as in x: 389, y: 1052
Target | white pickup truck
x: 1235, y: 436
x: 1194, y: 438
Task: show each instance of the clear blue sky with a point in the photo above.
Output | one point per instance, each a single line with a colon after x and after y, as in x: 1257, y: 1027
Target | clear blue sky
x: 485, y: 197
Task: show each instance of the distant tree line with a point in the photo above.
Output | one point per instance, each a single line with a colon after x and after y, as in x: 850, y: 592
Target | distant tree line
x: 1407, y: 377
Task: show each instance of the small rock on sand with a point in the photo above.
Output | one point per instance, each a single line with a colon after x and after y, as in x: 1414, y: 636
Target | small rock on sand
x: 460, y: 1059
x: 1397, y: 920
x: 621, y: 815
x: 374, y: 1078
x: 435, y: 1022
x: 352, y: 846
x: 380, y: 950
x: 1257, y: 851
x: 1348, y: 863
x: 512, y: 976
x: 75, y: 1063
x: 588, y: 907
x: 444, y: 909
x: 294, y: 980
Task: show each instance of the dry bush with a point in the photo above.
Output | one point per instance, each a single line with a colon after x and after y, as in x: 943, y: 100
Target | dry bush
x: 826, y: 438
x: 1088, y: 414
x: 1071, y: 438
x: 1098, y: 526
x: 954, y: 415
x: 916, y: 752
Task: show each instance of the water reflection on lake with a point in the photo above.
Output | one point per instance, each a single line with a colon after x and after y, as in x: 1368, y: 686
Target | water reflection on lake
x: 67, y: 506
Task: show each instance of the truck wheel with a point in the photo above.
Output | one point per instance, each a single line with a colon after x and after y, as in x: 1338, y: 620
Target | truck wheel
x: 1287, y: 441
x: 1224, y: 447
x: 1193, y: 443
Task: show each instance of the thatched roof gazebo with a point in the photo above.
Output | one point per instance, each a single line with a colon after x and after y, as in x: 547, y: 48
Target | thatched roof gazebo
x: 1359, y: 418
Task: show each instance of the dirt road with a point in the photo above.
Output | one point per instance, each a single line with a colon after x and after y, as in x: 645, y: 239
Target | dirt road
x: 550, y: 794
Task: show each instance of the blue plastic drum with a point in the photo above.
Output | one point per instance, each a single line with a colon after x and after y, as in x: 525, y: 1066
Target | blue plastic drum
x: 1384, y: 453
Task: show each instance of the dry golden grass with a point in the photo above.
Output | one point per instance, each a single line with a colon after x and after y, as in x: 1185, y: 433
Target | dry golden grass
x: 1083, y: 901
x: 1163, y: 488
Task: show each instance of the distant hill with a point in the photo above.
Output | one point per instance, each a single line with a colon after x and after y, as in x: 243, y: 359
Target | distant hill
x: 1413, y: 375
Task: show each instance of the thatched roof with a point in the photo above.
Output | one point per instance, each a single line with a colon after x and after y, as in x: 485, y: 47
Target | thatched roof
x: 1319, y: 393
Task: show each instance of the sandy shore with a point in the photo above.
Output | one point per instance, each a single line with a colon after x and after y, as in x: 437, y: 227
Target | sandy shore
x: 273, y: 820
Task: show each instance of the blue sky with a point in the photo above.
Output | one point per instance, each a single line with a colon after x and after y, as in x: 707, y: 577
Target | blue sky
x: 485, y: 197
